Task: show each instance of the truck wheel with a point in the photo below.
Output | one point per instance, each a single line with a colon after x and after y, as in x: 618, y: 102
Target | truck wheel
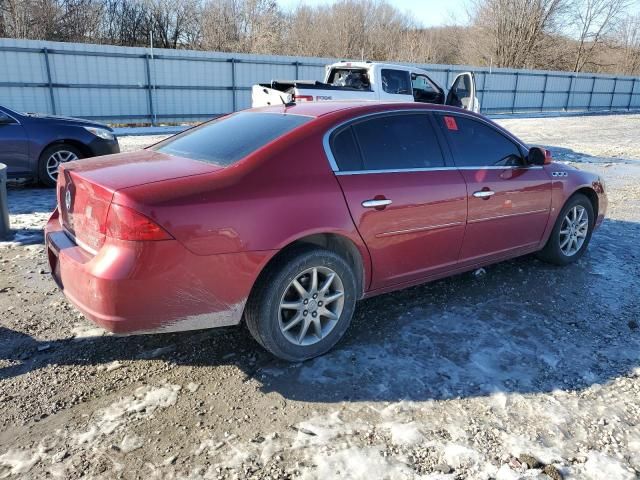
x: 50, y: 160
x: 302, y: 305
x: 571, y: 233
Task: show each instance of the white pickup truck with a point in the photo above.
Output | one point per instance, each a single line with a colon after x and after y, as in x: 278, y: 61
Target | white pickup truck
x: 369, y: 81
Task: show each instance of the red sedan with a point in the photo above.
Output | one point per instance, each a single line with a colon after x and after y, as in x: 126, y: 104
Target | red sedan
x: 285, y: 216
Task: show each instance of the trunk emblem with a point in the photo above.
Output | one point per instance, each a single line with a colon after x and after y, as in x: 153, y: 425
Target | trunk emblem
x: 67, y: 200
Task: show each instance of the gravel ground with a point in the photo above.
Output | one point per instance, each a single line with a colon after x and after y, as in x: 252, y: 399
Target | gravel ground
x: 523, y: 370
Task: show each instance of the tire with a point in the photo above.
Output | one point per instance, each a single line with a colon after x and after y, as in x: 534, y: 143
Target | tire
x: 556, y: 250
x: 63, y: 152
x: 267, y: 321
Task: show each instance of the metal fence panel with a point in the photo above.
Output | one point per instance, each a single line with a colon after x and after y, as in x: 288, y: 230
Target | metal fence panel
x: 133, y: 84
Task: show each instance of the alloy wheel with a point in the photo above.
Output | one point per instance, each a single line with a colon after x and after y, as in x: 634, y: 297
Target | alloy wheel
x: 55, y: 159
x: 574, y: 230
x: 311, y: 306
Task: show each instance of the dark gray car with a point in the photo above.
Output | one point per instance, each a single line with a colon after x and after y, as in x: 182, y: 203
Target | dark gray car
x: 34, y: 145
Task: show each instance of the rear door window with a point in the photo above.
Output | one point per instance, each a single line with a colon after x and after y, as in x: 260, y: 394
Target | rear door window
x: 403, y: 141
x: 229, y: 139
x: 345, y: 151
x: 476, y: 144
x: 396, y: 81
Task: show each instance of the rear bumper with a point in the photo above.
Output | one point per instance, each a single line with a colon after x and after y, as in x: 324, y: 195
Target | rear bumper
x: 150, y: 287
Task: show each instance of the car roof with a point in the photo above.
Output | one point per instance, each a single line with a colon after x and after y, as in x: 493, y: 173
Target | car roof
x: 361, y: 64
x: 320, y: 109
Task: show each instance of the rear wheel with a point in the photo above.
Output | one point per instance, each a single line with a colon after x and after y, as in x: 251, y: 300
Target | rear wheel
x: 572, y: 232
x: 51, y: 159
x: 303, y: 305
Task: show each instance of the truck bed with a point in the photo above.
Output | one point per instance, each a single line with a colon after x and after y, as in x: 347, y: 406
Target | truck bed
x: 285, y: 85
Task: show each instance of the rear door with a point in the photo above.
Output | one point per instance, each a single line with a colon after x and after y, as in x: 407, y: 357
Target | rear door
x: 394, y: 85
x: 408, y: 205
x: 463, y: 92
x: 509, y: 201
x: 14, y: 145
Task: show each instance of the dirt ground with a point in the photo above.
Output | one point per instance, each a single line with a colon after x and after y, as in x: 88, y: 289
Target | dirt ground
x: 522, y: 371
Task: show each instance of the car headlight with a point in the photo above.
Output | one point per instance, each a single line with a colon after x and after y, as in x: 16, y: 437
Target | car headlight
x: 100, y: 133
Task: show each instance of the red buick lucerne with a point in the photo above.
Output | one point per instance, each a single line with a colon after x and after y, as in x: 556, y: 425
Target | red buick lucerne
x: 284, y: 216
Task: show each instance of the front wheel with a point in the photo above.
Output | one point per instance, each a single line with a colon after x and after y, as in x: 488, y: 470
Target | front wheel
x: 303, y: 304
x: 571, y: 233
x: 51, y: 159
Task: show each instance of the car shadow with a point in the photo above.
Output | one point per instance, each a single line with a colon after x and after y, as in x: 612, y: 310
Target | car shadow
x: 25, y: 198
x: 519, y: 326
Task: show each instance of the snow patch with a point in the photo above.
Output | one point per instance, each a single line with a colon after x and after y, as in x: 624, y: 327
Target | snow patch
x: 193, y: 387
x: 358, y: 464
x: 319, y: 430
x: 18, y: 462
x: 404, y: 433
x: 141, y: 404
x: 86, y: 330
x: 457, y: 455
x: 602, y: 467
x: 130, y: 443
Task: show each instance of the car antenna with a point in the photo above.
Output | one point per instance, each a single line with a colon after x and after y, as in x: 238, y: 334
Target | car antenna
x: 287, y: 104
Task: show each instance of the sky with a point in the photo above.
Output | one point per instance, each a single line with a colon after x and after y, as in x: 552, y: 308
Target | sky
x: 428, y: 12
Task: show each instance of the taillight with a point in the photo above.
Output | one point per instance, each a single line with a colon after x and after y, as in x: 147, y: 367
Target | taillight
x: 127, y: 224
x: 303, y: 98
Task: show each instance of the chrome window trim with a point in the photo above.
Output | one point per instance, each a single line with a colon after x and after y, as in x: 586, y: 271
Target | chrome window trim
x: 336, y: 169
x: 11, y: 116
x: 435, y: 169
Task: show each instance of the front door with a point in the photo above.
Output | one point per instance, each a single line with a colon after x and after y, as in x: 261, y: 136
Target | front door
x: 13, y: 145
x: 463, y: 93
x: 409, y: 209
x: 509, y: 201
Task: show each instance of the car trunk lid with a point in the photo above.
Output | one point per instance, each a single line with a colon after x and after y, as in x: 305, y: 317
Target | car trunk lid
x: 86, y: 188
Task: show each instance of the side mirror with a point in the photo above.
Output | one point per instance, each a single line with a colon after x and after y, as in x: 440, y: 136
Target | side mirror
x: 538, y: 156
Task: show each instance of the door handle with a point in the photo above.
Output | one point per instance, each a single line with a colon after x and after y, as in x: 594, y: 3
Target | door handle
x: 376, y: 203
x: 484, y: 194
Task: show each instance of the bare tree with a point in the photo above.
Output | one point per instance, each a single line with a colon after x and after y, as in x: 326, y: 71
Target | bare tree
x: 552, y: 34
x: 242, y: 25
x: 172, y: 21
x: 125, y: 22
x: 77, y: 20
x: 511, y: 33
x: 628, y: 42
x: 593, y: 20
x: 29, y: 18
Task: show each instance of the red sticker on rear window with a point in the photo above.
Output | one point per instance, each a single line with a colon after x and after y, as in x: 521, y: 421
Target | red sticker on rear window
x: 451, y: 123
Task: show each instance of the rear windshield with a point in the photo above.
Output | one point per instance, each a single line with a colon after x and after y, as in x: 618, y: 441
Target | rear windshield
x: 229, y: 139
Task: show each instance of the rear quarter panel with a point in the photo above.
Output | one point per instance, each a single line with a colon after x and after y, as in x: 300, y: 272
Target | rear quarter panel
x: 281, y: 193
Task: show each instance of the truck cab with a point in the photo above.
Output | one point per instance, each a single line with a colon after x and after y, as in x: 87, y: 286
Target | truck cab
x: 371, y: 81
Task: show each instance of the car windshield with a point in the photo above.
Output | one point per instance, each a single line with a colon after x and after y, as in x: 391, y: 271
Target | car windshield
x: 231, y: 138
